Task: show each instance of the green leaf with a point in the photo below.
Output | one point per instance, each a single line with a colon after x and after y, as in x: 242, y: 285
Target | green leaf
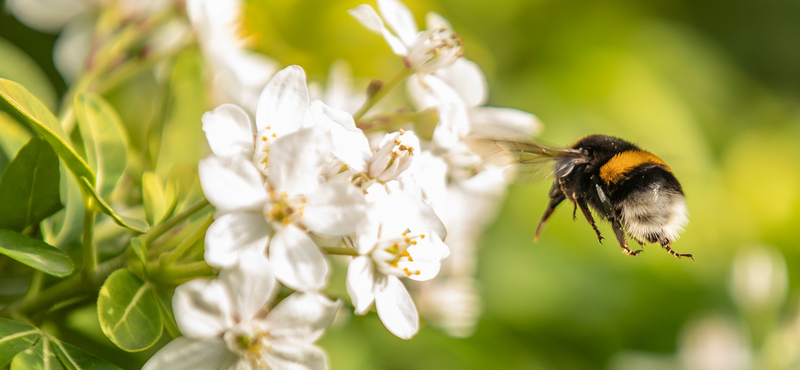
x: 171, y: 200
x: 128, y: 310
x: 134, y: 224
x: 75, y: 359
x: 14, y: 135
x: 47, y: 125
x: 41, y: 356
x: 18, y: 66
x: 35, y: 253
x: 165, y: 304
x: 104, y: 138
x: 29, y: 186
x: 154, y: 198
x: 15, y: 337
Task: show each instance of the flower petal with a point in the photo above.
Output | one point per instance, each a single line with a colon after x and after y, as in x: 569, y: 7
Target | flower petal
x: 46, y: 15
x: 399, y: 212
x: 334, y: 208
x: 400, y: 19
x: 361, y: 283
x: 73, y: 46
x: 296, y: 260
x: 232, y: 184
x: 370, y: 19
x: 467, y: 79
x: 284, y: 102
x: 348, y: 142
x: 297, y: 160
x: 233, y: 234
x: 502, y: 122
x: 295, y: 356
x: 396, y: 309
x: 431, y: 91
x: 250, y: 282
x: 301, y: 317
x: 229, y: 131
x: 187, y: 354
x: 203, y: 308
x: 428, y: 254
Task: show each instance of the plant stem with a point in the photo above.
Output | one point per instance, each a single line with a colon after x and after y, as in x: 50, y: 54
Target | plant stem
x: 382, y: 91
x: 184, y: 272
x: 344, y: 251
x: 187, y: 242
x: 159, y: 230
x: 89, y: 252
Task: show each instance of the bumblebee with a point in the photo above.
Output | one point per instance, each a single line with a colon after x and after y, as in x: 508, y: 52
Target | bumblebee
x: 629, y: 187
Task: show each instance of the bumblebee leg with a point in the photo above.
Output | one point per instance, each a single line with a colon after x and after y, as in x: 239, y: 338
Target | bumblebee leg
x: 555, y: 200
x: 615, y: 225
x: 588, y: 214
x: 666, y: 245
x: 574, y: 210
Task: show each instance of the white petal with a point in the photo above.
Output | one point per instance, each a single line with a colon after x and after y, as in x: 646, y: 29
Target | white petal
x: 284, y: 102
x: 233, y: 234
x: 434, y: 20
x: 232, y: 184
x: 400, y: 19
x: 348, y: 142
x: 361, y: 283
x: 396, y: 309
x: 301, y: 317
x: 399, y: 212
x: 295, y: 356
x: 428, y: 255
x: 203, y: 308
x: 340, y: 83
x: 73, y: 46
x: 229, y: 131
x: 46, y: 15
x: 187, y: 354
x: 467, y: 79
x: 502, y: 122
x: 432, y: 91
x: 250, y: 282
x: 296, y: 260
x: 296, y: 161
x: 334, y: 208
x: 370, y: 19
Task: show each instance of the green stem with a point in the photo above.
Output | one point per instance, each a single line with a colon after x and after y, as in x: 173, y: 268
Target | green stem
x: 35, y: 285
x: 89, y: 251
x: 187, y: 242
x: 159, y: 230
x: 184, y: 272
x: 344, y: 251
x: 382, y: 91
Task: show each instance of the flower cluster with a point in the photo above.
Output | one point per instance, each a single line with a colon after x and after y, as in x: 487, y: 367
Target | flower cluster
x: 294, y: 180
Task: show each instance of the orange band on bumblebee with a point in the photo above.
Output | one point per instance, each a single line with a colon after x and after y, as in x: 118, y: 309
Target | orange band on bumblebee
x: 621, y: 164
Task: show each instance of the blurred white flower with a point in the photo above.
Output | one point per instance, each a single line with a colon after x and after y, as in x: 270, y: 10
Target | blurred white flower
x: 224, y: 326
x: 759, y: 278
x: 237, y: 74
x: 393, y: 156
x: 338, y: 92
x: 424, y: 52
x: 714, y: 343
x: 399, y: 237
x: 451, y: 303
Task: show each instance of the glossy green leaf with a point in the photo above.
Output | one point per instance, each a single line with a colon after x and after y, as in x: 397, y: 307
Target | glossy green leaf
x: 170, y: 199
x: 14, y: 135
x: 39, y: 357
x: 29, y: 186
x: 128, y: 310
x: 154, y: 198
x: 47, y: 125
x: 14, y: 338
x: 75, y: 359
x: 134, y: 224
x: 17, y: 66
x: 104, y: 139
x: 165, y: 304
x: 35, y: 253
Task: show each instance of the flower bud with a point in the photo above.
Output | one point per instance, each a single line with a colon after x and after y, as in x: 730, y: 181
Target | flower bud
x: 393, y: 156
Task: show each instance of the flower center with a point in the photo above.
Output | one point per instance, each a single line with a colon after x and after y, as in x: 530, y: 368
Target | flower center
x: 250, y: 343
x: 283, y: 208
x: 394, y: 252
x: 264, y: 140
x: 438, y: 47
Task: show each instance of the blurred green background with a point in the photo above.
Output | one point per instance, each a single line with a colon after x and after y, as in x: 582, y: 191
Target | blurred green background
x: 712, y: 87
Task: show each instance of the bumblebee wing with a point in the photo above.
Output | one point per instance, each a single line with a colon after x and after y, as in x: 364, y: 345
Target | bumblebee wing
x: 529, y: 162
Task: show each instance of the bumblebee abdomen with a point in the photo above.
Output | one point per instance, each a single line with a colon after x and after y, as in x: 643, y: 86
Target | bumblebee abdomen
x: 622, y: 164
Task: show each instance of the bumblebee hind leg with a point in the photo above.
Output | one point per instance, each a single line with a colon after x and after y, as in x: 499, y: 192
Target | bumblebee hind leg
x: 665, y: 243
x: 615, y: 225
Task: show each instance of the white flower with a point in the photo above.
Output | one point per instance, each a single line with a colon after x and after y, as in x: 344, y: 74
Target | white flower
x: 423, y: 52
x: 393, y: 156
x: 451, y: 303
x: 238, y: 74
x: 400, y: 237
x: 291, y: 150
x: 224, y: 326
x: 338, y: 93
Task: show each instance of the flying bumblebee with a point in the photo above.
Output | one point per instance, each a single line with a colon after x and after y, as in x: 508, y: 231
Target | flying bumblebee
x: 631, y: 188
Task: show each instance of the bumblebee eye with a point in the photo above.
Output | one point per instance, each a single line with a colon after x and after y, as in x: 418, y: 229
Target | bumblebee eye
x: 588, y: 152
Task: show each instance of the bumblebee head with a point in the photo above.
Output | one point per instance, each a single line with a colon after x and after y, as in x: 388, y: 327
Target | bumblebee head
x: 599, y: 149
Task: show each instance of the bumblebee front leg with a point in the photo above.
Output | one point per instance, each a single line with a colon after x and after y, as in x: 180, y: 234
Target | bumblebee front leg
x: 556, y: 197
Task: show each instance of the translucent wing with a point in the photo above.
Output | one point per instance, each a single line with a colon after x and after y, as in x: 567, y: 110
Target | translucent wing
x: 528, y: 161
